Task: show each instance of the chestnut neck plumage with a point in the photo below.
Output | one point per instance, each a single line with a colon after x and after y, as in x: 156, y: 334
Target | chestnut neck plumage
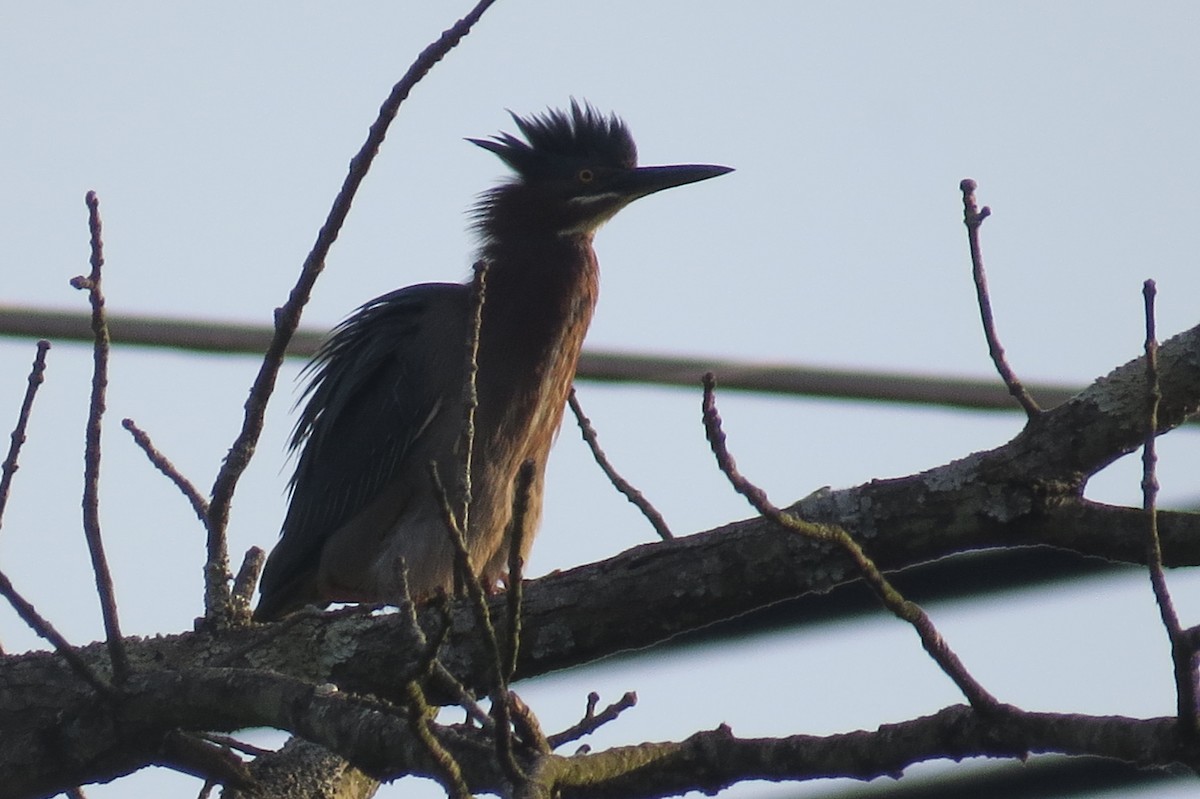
x: 538, y: 303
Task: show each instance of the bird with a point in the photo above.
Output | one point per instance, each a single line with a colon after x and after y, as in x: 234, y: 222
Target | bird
x: 385, y: 403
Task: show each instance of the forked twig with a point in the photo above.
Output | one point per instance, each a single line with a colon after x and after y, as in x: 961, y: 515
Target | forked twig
x: 620, y: 483
x: 9, y: 467
x: 421, y: 714
x: 287, y: 318
x: 91, y: 457
x: 1182, y: 651
x: 908, y: 611
x: 592, y: 720
x: 164, y: 465
x: 973, y: 217
x: 433, y: 667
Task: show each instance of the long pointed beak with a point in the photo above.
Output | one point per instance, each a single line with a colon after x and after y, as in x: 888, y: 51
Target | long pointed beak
x: 648, y: 179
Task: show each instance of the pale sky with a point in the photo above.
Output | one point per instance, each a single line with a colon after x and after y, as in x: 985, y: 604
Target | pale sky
x: 217, y: 135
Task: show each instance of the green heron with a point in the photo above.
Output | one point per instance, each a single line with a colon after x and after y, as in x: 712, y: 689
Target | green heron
x: 386, y: 396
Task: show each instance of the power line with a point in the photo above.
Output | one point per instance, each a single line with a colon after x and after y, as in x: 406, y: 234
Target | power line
x: 596, y: 365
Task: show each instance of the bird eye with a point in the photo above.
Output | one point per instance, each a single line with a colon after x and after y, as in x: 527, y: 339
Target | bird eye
x: 586, y: 176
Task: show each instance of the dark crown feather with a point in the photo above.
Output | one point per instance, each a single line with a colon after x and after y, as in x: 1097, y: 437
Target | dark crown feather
x: 582, y: 134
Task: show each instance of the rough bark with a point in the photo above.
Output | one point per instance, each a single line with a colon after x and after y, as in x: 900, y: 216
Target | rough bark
x: 340, y: 679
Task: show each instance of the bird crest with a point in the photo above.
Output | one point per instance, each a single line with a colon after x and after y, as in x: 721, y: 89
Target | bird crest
x: 558, y: 137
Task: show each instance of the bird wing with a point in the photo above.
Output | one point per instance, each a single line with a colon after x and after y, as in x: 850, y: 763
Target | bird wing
x: 377, y: 384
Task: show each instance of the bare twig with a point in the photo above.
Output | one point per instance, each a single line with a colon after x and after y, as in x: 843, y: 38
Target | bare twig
x: 470, y: 397
x: 420, y: 718
x: 91, y: 461
x: 620, y: 483
x: 230, y: 742
x: 458, y: 526
x: 446, y: 681
x: 245, y: 583
x: 462, y: 558
x: 908, y: 611
x: 195, y: 755
x: 287, y: 318
x: 164, y: 465
x: 9, y: 467
x: 973, y: 217
x: 592, y: 720
x: 437, y: 671
x: 525, y: 723
x: 501, y: 706
x: 516, y: 564
x: 1182, y: 651
x: 46, y: 630
x: 483, y: 615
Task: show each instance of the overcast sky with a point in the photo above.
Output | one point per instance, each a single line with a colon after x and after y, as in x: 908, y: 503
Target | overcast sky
x: 217, y: 134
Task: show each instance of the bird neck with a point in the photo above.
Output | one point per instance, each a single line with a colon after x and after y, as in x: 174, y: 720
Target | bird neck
x: 538, y: 304
x: 540, y: 295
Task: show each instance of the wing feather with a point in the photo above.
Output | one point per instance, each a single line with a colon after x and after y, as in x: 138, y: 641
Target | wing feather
x: 377, y: 385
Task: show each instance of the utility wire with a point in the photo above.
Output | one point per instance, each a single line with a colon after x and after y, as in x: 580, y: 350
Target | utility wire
x: 595, y: 365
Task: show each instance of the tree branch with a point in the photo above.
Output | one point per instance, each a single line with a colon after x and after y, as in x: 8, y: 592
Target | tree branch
x: 287, y: 318
x: 902, y: 608
x: 164, y: 465
x: 689, y: 582
x: 973, y: 217
x: 9, y: 467
x: 1182, y: 653
x: 91, y: 458
x: 620, y: 483
x: 381, y: 743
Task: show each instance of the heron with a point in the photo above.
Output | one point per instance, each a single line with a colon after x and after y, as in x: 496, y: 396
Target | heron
x: 384, y: 406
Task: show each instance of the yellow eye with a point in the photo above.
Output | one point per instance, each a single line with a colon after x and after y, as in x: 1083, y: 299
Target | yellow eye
x: 586, y: 176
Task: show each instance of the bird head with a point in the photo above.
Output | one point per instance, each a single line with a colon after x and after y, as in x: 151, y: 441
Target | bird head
x: 574, y: 170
